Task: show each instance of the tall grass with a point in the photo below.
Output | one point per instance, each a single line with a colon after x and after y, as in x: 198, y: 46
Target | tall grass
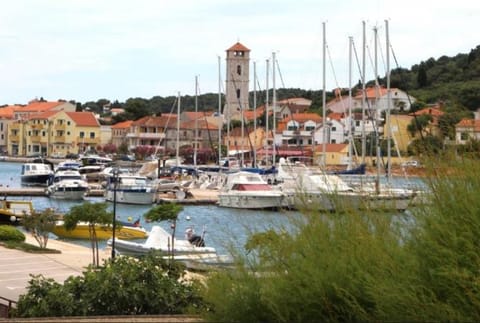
x: 365, y: 266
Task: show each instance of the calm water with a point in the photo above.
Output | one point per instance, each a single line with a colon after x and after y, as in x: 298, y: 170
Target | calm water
x: 223, y: 226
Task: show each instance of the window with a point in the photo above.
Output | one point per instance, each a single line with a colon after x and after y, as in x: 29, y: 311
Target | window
x: 239, y: 69
x: 309, y: 128
x: 92, y: 135
x: 82, y: 134
x: 464, y: 136
x: 334, y: 128
x: 238, y: 94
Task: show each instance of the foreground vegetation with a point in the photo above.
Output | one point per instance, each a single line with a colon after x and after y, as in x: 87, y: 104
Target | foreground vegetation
x: 418, y: 266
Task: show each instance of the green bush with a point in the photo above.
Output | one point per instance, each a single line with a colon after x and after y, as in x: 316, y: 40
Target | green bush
x: 123, y: 286
x: 9, y: 233
x: 418, y: 266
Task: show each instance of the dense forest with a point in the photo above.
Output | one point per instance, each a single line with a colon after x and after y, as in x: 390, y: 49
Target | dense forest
x: 455, y: 81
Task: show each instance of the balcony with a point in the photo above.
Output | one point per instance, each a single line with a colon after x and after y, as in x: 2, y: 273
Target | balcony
x: 36, y: 126
x: 88, y: 141
x: 36, y: 139
x: 60, y: 127
x: 14, y: 138
x: 14, y: 126
x: 146, y: 135
x: 59, y: 139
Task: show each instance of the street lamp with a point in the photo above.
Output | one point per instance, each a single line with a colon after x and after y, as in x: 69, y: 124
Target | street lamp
x: 114, y: 222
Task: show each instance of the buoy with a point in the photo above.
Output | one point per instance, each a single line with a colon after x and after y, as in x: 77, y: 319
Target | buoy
x: 129, y: 219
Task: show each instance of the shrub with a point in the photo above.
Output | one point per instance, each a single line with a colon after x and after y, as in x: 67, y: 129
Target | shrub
x: 9, y: 233
x: 418, y: 266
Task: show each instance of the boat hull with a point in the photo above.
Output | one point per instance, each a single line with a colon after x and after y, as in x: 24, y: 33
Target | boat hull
x: 12, y: 211
x: 36, y: 180
x: 139, y: 197
x: 104, y: 232
x: 67, y: 193
x: 344, y: 201
x: 252, y: 200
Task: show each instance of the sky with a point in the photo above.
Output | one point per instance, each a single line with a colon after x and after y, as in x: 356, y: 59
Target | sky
x: 86, y: 50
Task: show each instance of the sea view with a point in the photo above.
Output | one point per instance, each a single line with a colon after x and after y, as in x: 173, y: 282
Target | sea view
x: 223, y: 226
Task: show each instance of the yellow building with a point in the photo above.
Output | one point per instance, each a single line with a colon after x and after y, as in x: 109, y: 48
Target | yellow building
x: 54, y: 134
x: 399, y: 132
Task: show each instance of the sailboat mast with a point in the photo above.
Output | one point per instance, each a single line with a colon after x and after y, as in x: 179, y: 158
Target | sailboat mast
x: 220, y: 121
x: 178, y: 131
x: 266, y: 113
x: 274, y: 108
x: 324, y: 100
x: 377, y: 141
x: 364, y: 94
x: 350, y: 139
x: 195, y: 142
x: 389, y: 102
x: 255, y: 113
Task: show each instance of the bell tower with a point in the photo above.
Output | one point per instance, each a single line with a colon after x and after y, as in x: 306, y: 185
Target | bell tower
x: 237, y: 81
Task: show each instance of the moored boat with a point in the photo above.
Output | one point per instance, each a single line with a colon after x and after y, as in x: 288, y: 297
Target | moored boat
x: 103, y: 232
x: 67, y: 185
x: 36, y: 174
x: 130, y: 189
x: 12, y: 211
x: 245, y: 190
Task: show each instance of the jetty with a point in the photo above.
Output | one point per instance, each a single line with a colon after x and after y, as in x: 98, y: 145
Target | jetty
x: 196, y: 196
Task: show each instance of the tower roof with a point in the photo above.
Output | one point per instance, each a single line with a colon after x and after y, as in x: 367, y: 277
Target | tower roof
x: 238, y: 47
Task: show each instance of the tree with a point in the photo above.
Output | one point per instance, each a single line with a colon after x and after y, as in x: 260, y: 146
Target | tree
x: 422, y: 76
x: 93, y: 214
x: 40, y: 225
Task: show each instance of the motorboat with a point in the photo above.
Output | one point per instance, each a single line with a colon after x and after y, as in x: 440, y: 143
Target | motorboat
x: 160, y: 240
x: 68, y: 164
x: 68, y: 185
x: 103, y: 232
x: 36, y: 174
x: 246, y: 190
x: 12, y: 211
x: 190, y: 251
x: 130, y: 189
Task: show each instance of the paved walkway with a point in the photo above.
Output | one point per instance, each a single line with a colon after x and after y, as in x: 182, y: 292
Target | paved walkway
x: 16, y: 266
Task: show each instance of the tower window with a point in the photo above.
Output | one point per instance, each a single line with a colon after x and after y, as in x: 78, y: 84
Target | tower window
x: 238, y: 94
x: 239, y: 69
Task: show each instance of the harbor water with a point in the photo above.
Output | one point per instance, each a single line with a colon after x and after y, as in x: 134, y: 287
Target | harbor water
x: 224, y: 227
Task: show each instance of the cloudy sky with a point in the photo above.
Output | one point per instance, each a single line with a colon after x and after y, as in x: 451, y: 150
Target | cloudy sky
x: 85, y: 50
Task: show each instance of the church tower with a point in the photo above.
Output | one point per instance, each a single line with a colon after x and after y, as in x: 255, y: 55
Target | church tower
x: 237, y: 81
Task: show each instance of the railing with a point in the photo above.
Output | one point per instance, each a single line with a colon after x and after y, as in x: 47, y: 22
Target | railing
x: 6, y: 306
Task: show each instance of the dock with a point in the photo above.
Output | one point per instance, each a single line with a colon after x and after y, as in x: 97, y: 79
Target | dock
x: 199, y: 196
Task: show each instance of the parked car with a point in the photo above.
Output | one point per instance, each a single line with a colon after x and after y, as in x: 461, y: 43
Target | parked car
x: 167, y: 185
x: 410, y: 163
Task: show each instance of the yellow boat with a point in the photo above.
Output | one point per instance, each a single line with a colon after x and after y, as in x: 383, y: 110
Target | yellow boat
x: 12, y: 211
x: 104, y: 232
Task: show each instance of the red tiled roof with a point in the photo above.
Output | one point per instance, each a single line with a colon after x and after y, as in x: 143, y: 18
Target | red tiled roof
x: 7, y: 111
x: 201, y: 124
x: 83, y: 119
x: 371, y: 92
x: 433, y: 111
x: 37, y: 106
x: 303, y: 117
x: 42, y: 115
x: 169, y: 120
x: 122, y: 125
x: 238, y: 47
x: 469, y: 123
